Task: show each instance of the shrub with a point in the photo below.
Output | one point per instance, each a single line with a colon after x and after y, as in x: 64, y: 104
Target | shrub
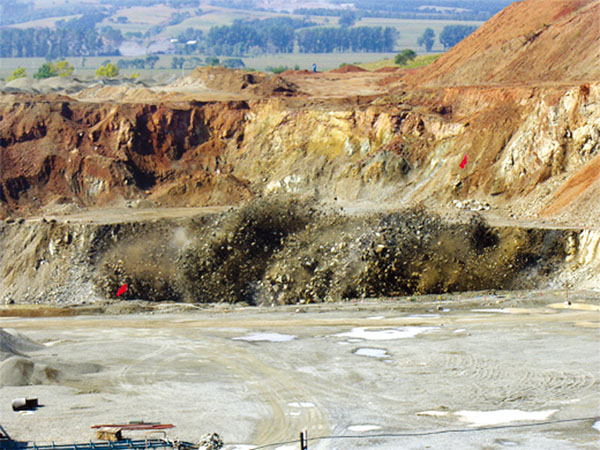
x: 18, y: 73
x: 109, y: 70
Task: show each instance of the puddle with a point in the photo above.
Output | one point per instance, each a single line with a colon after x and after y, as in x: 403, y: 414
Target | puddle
x: 301, y: 405
x: 422, y: 315
x: 596, y: 425
x: 485, y: 418
x: 374, y: 352
x: 265, y: 337
x: 364, y: 427
x: 387, y: 334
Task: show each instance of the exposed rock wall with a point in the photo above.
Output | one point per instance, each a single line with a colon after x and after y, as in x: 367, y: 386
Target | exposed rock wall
x: 522, y: 143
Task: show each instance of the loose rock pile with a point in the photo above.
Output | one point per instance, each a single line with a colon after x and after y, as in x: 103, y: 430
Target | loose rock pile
x: 281, y: 250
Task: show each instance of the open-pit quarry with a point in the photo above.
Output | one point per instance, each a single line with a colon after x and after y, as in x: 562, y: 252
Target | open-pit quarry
x: 387, y: 259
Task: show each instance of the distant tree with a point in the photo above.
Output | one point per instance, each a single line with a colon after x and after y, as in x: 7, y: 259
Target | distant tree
x: 109, y: 70
x: 453, y: 34
x: 177, y: 62
x: 427, y: 39
x: 46, y: 70
x: 112, y: 35
x: 233, y: 63
x: 405, y: 56
x: 151, y: 61
x: 347, y: 19
x: 18, y: 73
x: 211, y: 61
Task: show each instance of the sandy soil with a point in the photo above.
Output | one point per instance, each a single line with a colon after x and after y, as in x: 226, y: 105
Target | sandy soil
x: 260, y: 375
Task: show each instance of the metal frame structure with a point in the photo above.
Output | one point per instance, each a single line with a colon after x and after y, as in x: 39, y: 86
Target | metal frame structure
x: 125, y: 444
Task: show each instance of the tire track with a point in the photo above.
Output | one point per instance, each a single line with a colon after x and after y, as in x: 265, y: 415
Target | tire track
x: 274, y: 387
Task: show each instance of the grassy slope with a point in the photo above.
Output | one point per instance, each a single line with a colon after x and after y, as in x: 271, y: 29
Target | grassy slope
x: 419, y: 61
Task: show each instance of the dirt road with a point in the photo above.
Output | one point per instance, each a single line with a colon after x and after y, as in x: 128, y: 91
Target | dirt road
x: 260, y: 375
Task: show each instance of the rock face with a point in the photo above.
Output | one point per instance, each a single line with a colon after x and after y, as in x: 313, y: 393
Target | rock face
x: 56, y: 150
x: 523, y: 146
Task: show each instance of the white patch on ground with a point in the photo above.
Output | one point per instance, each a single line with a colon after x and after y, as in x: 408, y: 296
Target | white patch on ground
x: 265, y: 337
x: 491, y: 310
x: 374, y: 352
x: 485, y: 418
x: 432, y: 413
x: 596, y: 425
x: 294, y: 413
x: 287, y: 447
x: 240, y: 447
x: 569, y: 402
x: 386, y: 334
x: 363, y: 427
x: 418, y: 316
x: 301, y: 405
x: 460, y: 330
x: 375, y: 317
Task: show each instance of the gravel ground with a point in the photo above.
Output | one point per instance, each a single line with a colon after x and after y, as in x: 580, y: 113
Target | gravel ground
x: 259, y: 376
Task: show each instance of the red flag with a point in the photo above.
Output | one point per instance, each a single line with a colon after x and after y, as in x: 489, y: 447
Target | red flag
x: 464, y: 162
x: 122, y: 290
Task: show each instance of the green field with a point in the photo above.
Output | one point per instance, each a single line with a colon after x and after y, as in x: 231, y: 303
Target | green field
x: 324, y: 61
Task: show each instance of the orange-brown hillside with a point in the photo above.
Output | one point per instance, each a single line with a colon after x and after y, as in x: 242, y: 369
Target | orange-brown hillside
x: 531, y: 41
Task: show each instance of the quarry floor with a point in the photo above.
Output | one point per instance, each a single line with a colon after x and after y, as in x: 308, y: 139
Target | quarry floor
x: 259, y: 376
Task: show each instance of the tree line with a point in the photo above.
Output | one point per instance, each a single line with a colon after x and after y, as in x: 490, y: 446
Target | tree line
x: 417, y: 9
x: 275, y: 35
x: 449, y: 37
x: 281, y: 35
x: 75, y: 37
x: 359, y: 39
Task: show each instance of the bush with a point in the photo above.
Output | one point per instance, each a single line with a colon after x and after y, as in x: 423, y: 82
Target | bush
x: 59, y: 69
x: 63, y: 68
x: 404, y: 57
x: 46, y: 70
x: 18, y: 73
x: 109, y: 70
x: 278, y: 69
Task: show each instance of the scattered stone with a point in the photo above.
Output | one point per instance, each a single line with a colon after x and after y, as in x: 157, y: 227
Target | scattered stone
x: 210, y: 441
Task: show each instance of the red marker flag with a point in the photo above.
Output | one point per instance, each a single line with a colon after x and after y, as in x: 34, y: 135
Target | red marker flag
x: 464, y: 162
x: 122, y: 290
